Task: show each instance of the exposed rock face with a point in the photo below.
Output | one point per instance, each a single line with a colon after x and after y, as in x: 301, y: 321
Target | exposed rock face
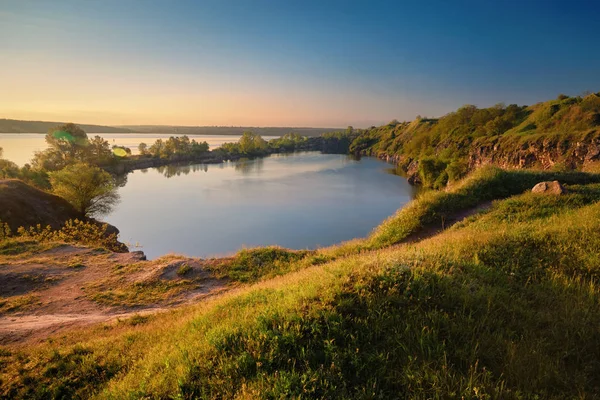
x: 545, y: 153
x: 553, y: 187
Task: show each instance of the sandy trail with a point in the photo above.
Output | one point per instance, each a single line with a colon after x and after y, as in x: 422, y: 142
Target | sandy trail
x: 57, y: 289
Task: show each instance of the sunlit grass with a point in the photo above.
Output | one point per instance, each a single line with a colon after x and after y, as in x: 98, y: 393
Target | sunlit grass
x: 503, y: 305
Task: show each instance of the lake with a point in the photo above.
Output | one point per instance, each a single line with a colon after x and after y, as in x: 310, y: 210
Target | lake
x: 299, y: 201
x: 20, y: 147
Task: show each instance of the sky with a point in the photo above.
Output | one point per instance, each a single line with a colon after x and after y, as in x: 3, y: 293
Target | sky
x: 326, y: 63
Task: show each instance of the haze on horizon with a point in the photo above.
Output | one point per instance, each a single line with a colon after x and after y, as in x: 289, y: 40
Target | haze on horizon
x: 278, y: 63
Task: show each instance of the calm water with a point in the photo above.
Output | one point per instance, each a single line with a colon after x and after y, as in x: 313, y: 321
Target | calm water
x: 19, y: 148
x: 299, y: 201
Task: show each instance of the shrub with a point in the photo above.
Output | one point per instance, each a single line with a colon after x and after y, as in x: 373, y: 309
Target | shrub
x: 431, y: 172
x: 183, y: 269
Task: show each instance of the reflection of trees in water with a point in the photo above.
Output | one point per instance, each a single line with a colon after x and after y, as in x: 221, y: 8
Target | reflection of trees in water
x: 172, y: 170
x: 120, y: 180
x: 246, y: 166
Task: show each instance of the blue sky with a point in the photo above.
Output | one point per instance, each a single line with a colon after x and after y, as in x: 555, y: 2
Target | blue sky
x: 288, y: 63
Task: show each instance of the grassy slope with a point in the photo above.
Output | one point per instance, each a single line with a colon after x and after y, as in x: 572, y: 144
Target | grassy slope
x: 544, y: 135
x: 504, y: 304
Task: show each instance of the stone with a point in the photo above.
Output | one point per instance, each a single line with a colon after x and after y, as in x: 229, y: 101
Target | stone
x: 553, y: 187
x: 139, y: 255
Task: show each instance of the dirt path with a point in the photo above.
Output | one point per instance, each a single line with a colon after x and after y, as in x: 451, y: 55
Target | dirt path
x: 454, y: 219
x: 32, y: 328
x: 52, y: 291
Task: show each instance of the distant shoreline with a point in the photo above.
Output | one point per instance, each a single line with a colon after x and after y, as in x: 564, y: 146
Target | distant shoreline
x: 13, y: 126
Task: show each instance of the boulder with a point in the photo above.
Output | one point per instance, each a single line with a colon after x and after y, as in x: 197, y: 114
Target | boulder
x: 553, y: 187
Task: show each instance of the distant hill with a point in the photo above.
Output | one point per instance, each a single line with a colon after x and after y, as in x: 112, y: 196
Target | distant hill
x: 227, y: 130
x: 18, y: 126
x: 563, y: 133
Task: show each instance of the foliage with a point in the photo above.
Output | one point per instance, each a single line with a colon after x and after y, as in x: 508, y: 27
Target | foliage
x: 250, y: 265
x: 98, y: 151
x: 66, y: 144
x: 143, y: 149
x: 74, y: 231
x: 183, y: 269
x: 175, y: 147
x: 436, y: 209
x: 89, y: 189
x: 509, y: 134
x: 10, y: 170
x: 431, y: 171
x: 289, y: 142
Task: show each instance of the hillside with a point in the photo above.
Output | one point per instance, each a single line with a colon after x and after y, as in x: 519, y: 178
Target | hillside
x: 502, y: 304
x: 558, y: 134
x: 18, y: 126
x: 24, y: 205
x: 227, y: 130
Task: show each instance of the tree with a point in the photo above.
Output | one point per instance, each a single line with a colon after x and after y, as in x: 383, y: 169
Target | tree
x: 157, y: 148
x: 67, y: 144
x: 1, y: 152
x: 252, y: 144
x: 89, y: 189
x: 99, y: 150
x: 69, y: 139
x: 143, y: 148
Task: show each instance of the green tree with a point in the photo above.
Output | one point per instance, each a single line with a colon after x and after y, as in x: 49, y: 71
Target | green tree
x: 67, y: 144
x: 157, y: 148
x: 69, y: 139
x: 143, y: 149
x: 252, y: 144
x: 99, y: 150
x: 199, y: 147
x: 89, y: 189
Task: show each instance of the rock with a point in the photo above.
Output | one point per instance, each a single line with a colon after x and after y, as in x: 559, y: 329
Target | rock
x: 139, y: 255
x: 553, y: 187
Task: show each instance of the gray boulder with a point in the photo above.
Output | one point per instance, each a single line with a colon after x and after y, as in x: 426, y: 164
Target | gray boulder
x: 553, y: 187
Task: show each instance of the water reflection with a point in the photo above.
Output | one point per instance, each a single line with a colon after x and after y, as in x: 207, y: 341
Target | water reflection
x: 301, y: 200
x: 169, y: 171
x: 120, y: 180
x: 248, y: 166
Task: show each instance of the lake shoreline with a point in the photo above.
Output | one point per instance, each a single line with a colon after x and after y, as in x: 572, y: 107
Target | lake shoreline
x: 216, y: 156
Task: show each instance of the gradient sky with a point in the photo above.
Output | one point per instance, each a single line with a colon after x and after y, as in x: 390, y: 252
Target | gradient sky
x: 324, y: 63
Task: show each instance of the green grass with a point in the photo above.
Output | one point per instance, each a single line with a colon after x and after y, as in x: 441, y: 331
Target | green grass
x: 136, y: 294
x: 503, y: 305
x: 251, y: 265
x: 19, y: 303
x: 183, y: 269
x: 434, y: 208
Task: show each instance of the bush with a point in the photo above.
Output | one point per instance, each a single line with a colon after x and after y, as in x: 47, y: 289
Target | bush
x: 77, y: 232
x: 88, y: 188
x: 431, y: 172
